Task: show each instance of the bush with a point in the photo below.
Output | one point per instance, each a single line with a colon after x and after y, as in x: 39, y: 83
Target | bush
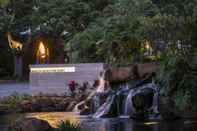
x: 178, y: 79
x: 68, y: 126
x: 13, y: 101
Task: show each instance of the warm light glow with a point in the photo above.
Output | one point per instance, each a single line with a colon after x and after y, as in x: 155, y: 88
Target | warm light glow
x: 42, y: 50
x: 147, y: 46
x: 52, y: 69
x: 151, y: 123
x: 13, y: 43
x: 54, y: 118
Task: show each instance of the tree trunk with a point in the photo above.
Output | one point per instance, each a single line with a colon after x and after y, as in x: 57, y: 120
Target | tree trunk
x: 18, y: 66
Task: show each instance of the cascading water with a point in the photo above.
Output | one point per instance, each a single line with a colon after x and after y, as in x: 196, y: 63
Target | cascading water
x: 127, y: 104
x: 119, y: 102
x: 128, y: 107
x: 105, y: 108
x: 101, y: 87
x: 113, y: 102
x: 95, y: 95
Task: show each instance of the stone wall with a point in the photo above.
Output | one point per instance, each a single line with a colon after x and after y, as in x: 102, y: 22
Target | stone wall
x: 53, y: 78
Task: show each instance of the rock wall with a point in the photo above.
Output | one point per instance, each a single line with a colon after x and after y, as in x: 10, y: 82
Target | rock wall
x: 136, y: 71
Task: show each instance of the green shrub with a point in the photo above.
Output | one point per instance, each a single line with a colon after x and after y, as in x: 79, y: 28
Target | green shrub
x: 13, y: 101
x: 68, y: 126
x: 178, y: 79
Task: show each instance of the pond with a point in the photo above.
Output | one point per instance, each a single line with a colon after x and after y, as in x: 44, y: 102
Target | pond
x: 107, y: 124
x: 9, y: 88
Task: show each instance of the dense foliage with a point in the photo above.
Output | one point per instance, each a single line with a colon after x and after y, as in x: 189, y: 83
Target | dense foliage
x: 109, y: 31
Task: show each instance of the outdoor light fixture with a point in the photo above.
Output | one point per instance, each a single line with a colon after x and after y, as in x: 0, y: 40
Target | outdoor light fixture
x: 147, y: 45
x: 52, y: 69
x: 42, y: 50
x: 42, y: 56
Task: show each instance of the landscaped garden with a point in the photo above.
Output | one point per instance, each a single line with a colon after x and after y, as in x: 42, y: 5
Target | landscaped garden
x: 146, y: 78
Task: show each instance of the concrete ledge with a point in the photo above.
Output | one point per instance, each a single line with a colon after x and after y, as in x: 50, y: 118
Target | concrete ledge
x: 54, y: 78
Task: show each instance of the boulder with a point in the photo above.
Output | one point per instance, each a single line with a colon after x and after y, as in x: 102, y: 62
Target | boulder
x: 26, y: 106
x: 62, y: 104
x: 71, y: 106
x: 142, y: 102
x: 118, y: 74
x: 45, y: 104
x: 144, y: 99
x: 136, y: 71
x: 85, y: 111
x: 147, y: 68
x: 4, y: 109
x: 30, y: 124
x: 167, y: 108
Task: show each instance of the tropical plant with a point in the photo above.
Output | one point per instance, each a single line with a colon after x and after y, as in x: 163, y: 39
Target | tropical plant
x: 68, y: 126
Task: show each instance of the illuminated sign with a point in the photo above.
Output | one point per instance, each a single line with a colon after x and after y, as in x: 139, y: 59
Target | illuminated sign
x: 52, y: 69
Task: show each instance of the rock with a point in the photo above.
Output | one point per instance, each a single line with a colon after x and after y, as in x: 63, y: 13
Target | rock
x: 85, y: 111
x: 45, y: 104
x: 118, y: 74
x: 137, y: 71
x: 143, y: 100
x: 168, y: 109
x: 62, y: 104
x: 147, y: 68
x: 71, y: 106
x: 26, y: 106
x: 30, y: 124
x: 4, y: 109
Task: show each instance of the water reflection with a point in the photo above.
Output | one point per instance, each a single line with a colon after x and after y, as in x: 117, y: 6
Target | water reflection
x: 116, y: 124
x: 54, y: 118
x: 131, y: 125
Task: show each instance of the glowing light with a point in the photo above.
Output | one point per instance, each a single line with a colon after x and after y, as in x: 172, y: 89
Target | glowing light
x: 52, y: 69
x: 13, y: 43
x: 147, y: 45
x: 54, y: 118
x: 42, y: 50
x: 151, y: 123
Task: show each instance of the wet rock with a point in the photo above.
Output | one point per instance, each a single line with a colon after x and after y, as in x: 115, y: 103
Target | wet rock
x: 26, y: 106
x: 46, y: 104
x: 30, y: 124
x: 71, y: 106
x: 168, y: 109
x: 4, y: 109
x: 61, y: 106
x: 143, y: 101
x: 85, y: 111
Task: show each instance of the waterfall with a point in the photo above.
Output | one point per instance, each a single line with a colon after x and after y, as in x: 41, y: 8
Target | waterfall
x: 155, y: 98
x: 105, y: 108
x: 76, y: 108
x: 95, y: 95
x: 112, y: 99
x: 125, y: 106
x: 101, y: 87
x: 128, y: 107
